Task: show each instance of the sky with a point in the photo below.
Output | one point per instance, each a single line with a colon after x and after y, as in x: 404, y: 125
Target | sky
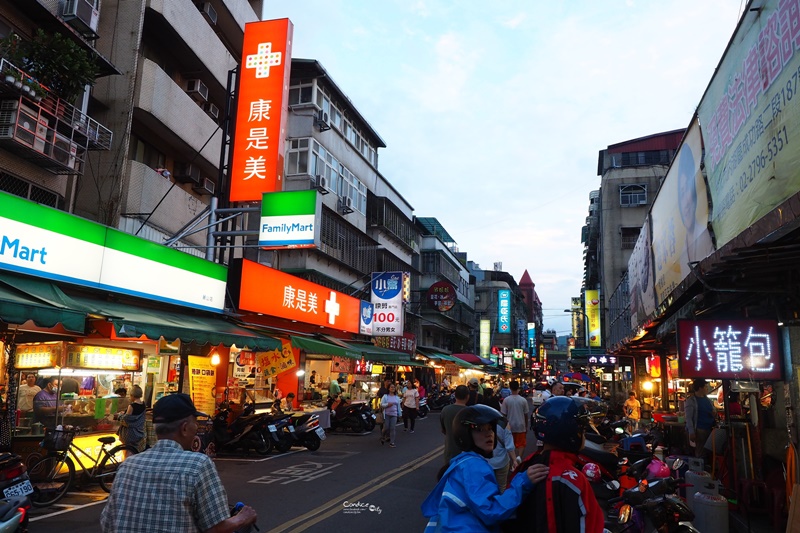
x: 494, y: 113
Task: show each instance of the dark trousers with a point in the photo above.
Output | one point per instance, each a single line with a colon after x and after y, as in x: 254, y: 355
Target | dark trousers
x: 409, y: 413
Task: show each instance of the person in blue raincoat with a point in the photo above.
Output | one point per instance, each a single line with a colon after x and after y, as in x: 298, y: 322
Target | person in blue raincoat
x: 467, y: 497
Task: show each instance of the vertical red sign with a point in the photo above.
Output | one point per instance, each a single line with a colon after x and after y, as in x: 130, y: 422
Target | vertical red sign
x: 261, y: 110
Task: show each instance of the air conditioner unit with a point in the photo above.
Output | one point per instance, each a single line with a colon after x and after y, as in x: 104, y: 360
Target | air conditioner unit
x: 322, y: 121
x: 322, y: 184
x: 186, y: 173
x: 208, y: 12
x: 197, y: 90
x: 345, y: 205
x: 64, y: 151
x: 206, y: 186
x: 82, y: 15
x: 212, y: 110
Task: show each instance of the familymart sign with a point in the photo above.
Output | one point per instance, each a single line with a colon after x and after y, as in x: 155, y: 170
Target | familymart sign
x: 289, y: 219
x: 48, y: 243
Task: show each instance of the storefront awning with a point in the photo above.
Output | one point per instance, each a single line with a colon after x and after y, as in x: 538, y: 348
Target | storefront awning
x: 446, y: 358
x: 23, y: 299
x: 134, y: 322
x: 314, y: 346
x: 386, y: 356
x: 473, y: 359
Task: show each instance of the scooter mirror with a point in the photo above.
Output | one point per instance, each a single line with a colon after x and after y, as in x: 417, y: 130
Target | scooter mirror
x: 677, y: 464
x: 619, y: 431
x: 613, y: 485
x: 624, y: 514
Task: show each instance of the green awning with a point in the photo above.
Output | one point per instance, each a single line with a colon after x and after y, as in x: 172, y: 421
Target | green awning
x: 23, y: 299
x: 314, y: 346
x: 386, y: 356
x: 132, y: 322
x: 444, y: 357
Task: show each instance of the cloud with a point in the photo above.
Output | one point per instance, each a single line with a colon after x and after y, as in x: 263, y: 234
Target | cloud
x: 515, y: 21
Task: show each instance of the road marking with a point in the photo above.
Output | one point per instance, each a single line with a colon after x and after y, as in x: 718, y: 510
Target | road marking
x: 72, y: 508
x: 332, y: 507
x: 308, y: 471
x: 268, y: 458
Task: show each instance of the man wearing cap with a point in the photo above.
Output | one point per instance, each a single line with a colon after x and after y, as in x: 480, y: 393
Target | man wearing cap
x: 475, y: 395
x: 169, y: 487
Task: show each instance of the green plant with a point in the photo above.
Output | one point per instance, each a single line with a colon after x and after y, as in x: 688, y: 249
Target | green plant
x: 55, y: 61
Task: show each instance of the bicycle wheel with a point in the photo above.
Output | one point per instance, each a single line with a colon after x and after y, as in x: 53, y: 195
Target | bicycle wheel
x: 107, y: 470
x: 51, y: 478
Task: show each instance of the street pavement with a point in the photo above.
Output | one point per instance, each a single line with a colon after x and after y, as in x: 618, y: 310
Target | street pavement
x: 352, y: 483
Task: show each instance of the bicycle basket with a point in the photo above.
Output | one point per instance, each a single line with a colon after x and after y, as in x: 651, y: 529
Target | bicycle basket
x: 58, y: 439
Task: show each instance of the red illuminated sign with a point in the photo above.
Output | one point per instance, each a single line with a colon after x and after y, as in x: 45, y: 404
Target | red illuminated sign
x: 442, y: 296
x: 729, y: 349
x: 261, y: 111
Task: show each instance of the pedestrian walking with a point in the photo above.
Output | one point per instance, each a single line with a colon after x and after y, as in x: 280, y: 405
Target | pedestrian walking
x: 515, y: 409
x: 475, y: 392
x: 390, y: 404
x: 170, y: 487
x: 446, y: 419
x: 410, y: 406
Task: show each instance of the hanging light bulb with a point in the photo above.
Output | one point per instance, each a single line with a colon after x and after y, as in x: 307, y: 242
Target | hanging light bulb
x: 215, y: 359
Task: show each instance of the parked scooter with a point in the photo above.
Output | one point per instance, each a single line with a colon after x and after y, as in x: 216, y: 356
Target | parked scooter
x: 346, y: 416
x: 423, y: 408
x: 278, y: 430
x: 14, y: 515
x: 307, y: 430
x: 438, y: 400
x: 242, y: 433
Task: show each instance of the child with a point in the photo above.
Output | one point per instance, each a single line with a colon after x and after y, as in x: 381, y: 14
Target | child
x: 566, y: 501
x: 467, y: 498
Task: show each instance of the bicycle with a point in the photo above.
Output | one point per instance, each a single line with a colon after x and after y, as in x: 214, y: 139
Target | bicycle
x: 52, y: 475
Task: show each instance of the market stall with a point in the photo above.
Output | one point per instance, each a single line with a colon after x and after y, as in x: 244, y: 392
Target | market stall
x: 91, y: 407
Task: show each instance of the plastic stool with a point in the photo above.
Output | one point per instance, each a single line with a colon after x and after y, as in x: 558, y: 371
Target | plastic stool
x: 753, y: 496
x: 635, y: 443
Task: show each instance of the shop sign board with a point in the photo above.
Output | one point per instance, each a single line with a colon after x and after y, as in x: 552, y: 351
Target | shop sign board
x: 504, y: 311
x: 342, y: 365
x: 272, y: 363
x: 40, y: 241
x: 593, y: 317
x: 485, y: 340
x: 406, y: 344
x: 202, y: 383
x: 602, y: 360
x: 290, y: 219
x: 262, y: 110
x: 442, y: 296
x: 272, y: 292
x: 367, y: 318
x: 729, y: 349
x: 451, y: 369
x: 44, y: 355
x: 751, y: 120
x: 103, y: 357
x: 387, y: 297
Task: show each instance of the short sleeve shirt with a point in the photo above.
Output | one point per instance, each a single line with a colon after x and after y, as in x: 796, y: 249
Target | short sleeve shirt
x: 515, y: 409
x: 165, y: 489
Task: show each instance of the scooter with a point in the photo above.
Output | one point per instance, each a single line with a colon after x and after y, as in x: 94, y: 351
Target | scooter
x: 278, y: 430
x: 438, y: 401
x: 423, y: 408
x: 307, y: 430
x: 345, y: 416
x: 14, y: 515
x: 243, y: 432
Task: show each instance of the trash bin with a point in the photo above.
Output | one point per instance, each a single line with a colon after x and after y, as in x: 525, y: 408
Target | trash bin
x: 710, y: 513
x: 701, y: 482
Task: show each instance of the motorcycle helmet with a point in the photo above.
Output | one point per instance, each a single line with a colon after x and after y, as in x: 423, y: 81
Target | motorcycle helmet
x: 591, y: 471
x: 472, y: 417
x: 658, y: 469
x: 561, y: 422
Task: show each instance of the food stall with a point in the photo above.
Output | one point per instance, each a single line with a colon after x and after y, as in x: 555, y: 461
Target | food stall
x: 98, y: 370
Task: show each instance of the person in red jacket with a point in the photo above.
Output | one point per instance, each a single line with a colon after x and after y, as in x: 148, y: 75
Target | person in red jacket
x: 566, y: 502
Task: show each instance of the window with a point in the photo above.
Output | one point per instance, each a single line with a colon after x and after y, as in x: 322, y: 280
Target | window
x: 632, y: 195
x: 629, y: 237
x: 345, y: 125
x: 297, y: 157
x: 301, y: 93
x: 340, y: 180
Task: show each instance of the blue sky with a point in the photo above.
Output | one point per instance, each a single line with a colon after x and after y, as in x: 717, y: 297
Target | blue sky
x: 493, y: 113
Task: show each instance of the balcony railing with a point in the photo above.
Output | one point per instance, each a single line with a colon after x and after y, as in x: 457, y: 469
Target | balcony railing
x: 40, y: 127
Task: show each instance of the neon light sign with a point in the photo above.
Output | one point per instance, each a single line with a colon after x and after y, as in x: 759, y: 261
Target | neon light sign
x: 733, y: 349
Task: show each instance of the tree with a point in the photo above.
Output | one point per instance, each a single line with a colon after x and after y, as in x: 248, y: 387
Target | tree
x: 54, y: 61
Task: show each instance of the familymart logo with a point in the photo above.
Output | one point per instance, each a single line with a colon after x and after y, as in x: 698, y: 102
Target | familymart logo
x: 288, y: 219
x: 22, y: 252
